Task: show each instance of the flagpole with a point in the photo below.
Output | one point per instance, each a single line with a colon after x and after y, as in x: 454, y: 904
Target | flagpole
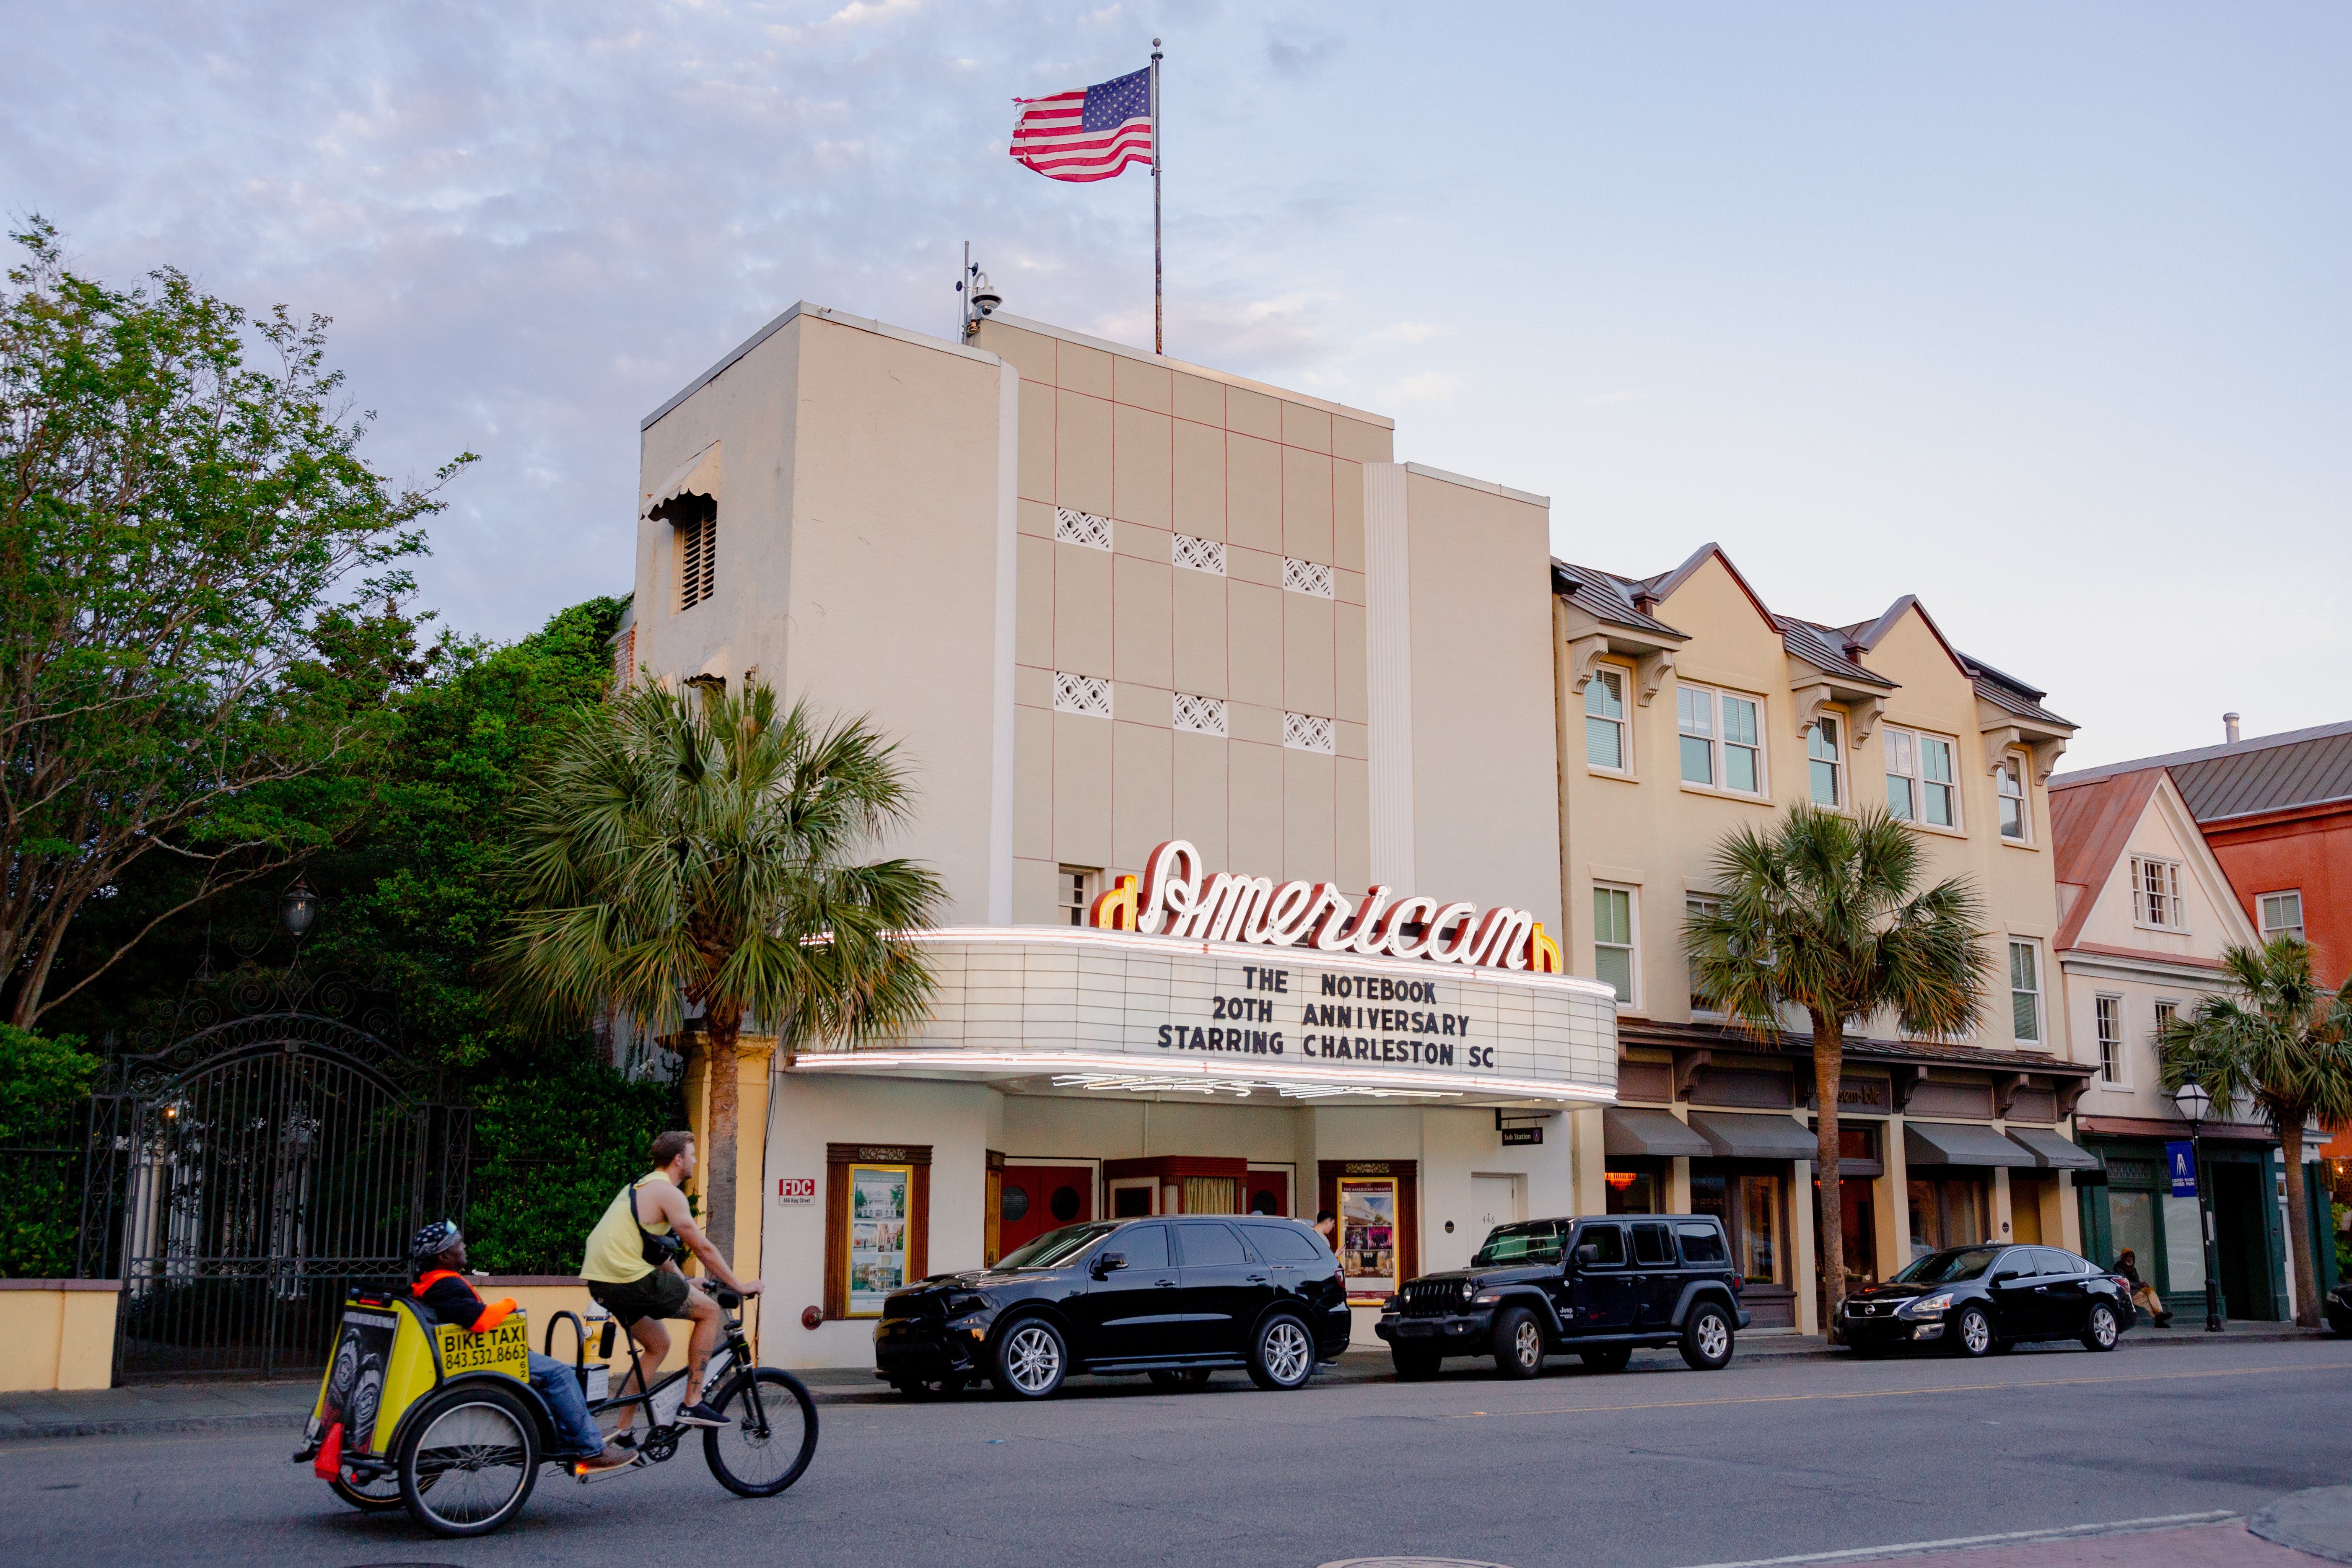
x: 1158, y: 345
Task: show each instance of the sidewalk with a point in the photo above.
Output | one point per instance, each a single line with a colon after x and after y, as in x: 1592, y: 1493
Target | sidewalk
x: 194, y: 1406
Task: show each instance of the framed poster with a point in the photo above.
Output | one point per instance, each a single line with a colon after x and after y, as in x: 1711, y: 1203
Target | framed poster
x: 1368, y: 1234
x: 881, y: 1213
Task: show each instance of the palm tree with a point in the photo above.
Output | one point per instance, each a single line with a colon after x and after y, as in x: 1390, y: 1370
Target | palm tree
x: 1825, y: 912
x: 682, y: 853
x: 2281, y: 1040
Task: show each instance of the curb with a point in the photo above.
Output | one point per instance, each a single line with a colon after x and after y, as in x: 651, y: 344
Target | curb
x: 2289, y: 1523
x: 132, y: 1426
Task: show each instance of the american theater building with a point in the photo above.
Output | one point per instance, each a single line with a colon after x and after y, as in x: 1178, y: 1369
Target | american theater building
x: 1235, y: 747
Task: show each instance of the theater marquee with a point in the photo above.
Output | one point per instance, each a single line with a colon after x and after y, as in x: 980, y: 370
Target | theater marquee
x: 1121, y: 1010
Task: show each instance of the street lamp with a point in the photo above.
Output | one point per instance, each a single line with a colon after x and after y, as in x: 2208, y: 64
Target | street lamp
x: 298, y: 907
x: 2192, y: 1100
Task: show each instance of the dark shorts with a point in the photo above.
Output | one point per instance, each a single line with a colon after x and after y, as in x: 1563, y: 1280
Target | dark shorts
x: 661, y: 1294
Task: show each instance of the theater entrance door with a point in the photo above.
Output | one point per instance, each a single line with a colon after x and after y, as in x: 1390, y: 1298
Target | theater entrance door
x: 1039, y: 1198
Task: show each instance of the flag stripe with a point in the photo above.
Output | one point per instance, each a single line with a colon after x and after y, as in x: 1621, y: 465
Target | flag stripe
x: 1051, y: 136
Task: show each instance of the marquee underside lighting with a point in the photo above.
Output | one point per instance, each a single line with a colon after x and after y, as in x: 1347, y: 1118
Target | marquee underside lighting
x: 1243, y: 1088
x: 1302, y: 1082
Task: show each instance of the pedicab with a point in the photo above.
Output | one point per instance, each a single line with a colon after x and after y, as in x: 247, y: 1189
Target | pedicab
x: 445, y: 1423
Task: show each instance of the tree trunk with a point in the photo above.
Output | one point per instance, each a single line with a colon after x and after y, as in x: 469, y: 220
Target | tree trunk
x: 721, y: 1025
x: 1829, y: 1062
x: 2298, y: 1225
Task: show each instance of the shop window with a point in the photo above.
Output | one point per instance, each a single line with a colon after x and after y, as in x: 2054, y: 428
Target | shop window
x: 878, y: 1218
x: 1630, y: 1191
x: 1130, y: 1201
x: 1856, y: 1226
x: 2109, y: 1017
x: 1824, y: 765
x: 1604, y: 720
x: 1857, y: 1142
x: 2009, y: 779
x: 1075, y: 892
x: 1946, y: 1213
x: 2131, y: 1227
x: 1750, y: 1207
x: 1613, y: 940
x: 2025, y: 990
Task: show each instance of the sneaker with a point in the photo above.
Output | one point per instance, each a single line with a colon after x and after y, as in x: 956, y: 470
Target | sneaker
x: 698, y: 1414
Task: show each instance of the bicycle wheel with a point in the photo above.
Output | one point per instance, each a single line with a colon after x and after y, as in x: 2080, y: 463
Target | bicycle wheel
x: 472, y: 1462
x: 379, y: 1496
x: 767, y: 1442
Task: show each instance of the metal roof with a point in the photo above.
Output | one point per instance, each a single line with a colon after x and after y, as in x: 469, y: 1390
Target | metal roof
x: 1605, y: 597
x: 2269, y: 773
x: 1825, y: 648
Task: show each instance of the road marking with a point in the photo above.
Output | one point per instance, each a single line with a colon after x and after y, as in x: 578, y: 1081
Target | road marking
x: 1964, y: 1543
x: 1898, y: 1393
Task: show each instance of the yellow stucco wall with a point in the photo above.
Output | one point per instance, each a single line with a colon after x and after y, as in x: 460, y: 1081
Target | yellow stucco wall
x: 57, y: 1333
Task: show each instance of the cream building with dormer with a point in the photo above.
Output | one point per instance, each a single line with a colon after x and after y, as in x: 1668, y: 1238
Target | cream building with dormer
x: 1690, y: 710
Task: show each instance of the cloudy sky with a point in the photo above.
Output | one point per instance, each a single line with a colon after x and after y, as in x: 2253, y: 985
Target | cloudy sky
x: 2037, y: 311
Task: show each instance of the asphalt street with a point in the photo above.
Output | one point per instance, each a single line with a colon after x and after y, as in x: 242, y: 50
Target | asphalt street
x: 1657, y: 1465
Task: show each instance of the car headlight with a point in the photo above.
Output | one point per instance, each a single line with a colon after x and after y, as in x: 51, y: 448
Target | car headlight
x: 1926, y: 1306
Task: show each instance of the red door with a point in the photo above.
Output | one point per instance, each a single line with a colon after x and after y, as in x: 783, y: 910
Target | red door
x: 1039, y: 1198
x: 1269, y: 1193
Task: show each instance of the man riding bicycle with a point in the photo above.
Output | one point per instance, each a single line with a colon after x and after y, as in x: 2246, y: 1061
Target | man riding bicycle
x: 632, y: 1271
x: 443, y: 1295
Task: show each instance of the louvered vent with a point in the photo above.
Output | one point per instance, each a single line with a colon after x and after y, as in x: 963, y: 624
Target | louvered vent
x: 1201, y: 715
x: 1086, y: 694
x: 1307, y: 732
x: 696, y: 517
x: 1198, y: 554
x: 1081, y: 528
x: 1307, y: 577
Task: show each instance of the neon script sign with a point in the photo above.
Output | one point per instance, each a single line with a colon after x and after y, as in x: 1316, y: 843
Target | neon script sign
x: 1176, y: 897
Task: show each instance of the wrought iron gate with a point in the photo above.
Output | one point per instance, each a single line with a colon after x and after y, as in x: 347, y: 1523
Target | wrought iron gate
x: 244, y: 1180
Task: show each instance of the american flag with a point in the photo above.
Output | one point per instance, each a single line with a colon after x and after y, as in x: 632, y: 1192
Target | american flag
x: 1088, y: 135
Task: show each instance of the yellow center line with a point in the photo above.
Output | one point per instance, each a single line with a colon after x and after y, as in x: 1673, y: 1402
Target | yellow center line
x: 1896, y: 1393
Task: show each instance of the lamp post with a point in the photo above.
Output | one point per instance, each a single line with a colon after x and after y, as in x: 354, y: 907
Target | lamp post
x: 2192, y: 1100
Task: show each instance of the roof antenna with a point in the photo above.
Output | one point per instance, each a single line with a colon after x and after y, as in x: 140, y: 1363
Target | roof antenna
x: 2229, y: 727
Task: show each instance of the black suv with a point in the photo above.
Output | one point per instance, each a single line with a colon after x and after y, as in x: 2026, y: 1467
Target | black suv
x: 1177, y: 1297
x: 1600, y: 1287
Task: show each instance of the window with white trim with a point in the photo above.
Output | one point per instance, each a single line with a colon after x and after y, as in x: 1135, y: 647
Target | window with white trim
x: 1613, y: 947
x: 1698, y: 905
x: 1074, y: 527
x: 2109, y: 1012
x: 2282, y: 915
x: 1086, y: 694
x: 1200, y: 715
x: 1074, y: 891
x: 1920, y: 784
x: 1604, y: 719
x: 2009, y: 779
x: 1310, y: 577
x: 2025, y: 990
x: 1722, y: 742
x: 2155, y: 894
x: 1307, y: 732
x: 1197, y: 554
x: 1824, y: 762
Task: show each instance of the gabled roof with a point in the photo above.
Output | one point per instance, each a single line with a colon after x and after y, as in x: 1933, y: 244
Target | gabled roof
x: 1827, y: 648
x: 2242, y: 778
x: 2010, y: 694
x: 1606, y: 597
x: 2090, y: 824
x: 1661, y: 586
x: 1866, y: 634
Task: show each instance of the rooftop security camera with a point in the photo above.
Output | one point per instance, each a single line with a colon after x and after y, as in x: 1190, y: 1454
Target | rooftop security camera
x: 985, y: 296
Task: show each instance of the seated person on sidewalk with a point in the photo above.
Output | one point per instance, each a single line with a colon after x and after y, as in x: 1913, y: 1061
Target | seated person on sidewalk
x: 442, y: 1291
x: 2142, y: 1294
x: 631, y: 1267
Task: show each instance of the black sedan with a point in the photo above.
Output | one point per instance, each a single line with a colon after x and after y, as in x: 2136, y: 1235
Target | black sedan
x: 1175, y: 1297
x: 2338, y: 1308
x: 1975, y: 1300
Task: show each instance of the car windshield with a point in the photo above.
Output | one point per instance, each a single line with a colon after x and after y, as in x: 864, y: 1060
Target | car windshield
x: 1538, y: 1241
x: 1948, y: 1267
x: 1054, y: 1247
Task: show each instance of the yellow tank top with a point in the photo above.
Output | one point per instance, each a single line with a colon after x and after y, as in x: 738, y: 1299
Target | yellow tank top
x: 614, y: 1254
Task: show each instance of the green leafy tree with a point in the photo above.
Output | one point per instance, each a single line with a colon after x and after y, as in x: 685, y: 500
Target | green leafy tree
x: 561, y: 1135
x: 2280, y: 1040
x: 42, y: 1081
x: 1824, y: 913
x: 703, y: 852
x: 189, y: 540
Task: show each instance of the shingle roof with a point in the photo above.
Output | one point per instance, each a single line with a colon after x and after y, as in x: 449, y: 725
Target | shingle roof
x: 1606, y: 597
x: 1825, y: 648
x: 2269, y: 773
x: 2010, y: 694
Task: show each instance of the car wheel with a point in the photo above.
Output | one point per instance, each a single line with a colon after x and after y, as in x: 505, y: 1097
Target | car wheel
x: 1707, y: 1338
x: 1031, y: 1360
x: 1972, y: 1334
x: 1414, y: 1366
x: 1518, y: 1343
x: 1282, y: 1354
x: 1180, y: 1380
x: 2101, y: 1333
x: 1609, y: 1358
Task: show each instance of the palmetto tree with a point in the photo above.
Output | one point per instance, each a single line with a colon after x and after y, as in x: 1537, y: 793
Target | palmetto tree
x: 2281, y: 1040
x: 684, y: 852
x: 1825, y: 912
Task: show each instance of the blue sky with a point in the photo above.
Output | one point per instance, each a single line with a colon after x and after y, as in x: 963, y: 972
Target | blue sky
x: 2038, y: 311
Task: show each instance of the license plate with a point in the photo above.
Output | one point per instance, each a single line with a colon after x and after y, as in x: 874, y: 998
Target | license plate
x: 1411, y: 1329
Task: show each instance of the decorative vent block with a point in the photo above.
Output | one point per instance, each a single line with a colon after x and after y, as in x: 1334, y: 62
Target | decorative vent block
x: 1200, y: 554
x: 1086, y: 694
x: 1081, y: 528
x: 1307, y: 732
x: 1307, y: 577
x: 1201, y: 715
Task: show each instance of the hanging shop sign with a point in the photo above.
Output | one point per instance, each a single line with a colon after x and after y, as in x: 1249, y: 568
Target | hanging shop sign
x: 1176, y: 897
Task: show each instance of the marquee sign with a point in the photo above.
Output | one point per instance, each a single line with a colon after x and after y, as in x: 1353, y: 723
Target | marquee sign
x: 1174, y: 898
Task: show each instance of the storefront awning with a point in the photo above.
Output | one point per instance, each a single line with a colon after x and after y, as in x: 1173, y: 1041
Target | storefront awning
x: 1756, y: 1137
x: 1959, y: 1143
x: 1654, y: 1133
x: 2054, y: 1151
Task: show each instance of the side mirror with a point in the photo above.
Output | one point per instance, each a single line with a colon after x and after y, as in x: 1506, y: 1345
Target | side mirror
x: 1109, y: 1261
x: 1588, y: 1253
x: 2007, y: 1277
